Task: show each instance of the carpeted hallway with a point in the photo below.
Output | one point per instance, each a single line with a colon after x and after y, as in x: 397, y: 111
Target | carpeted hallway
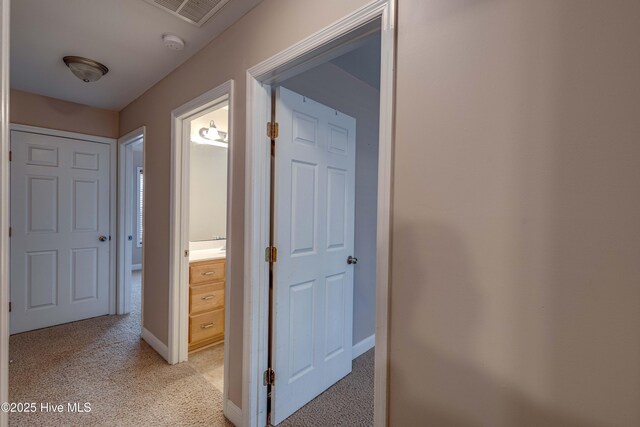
x: 104, y: 362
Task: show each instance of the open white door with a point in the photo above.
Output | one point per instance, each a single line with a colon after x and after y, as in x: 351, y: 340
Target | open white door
x: 60, y: 224
x: 314, y: 233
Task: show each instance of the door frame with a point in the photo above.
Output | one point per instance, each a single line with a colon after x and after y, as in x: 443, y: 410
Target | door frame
x: 326, y: 44
x: 113, y: 182
x: 124, y: 176
x: 179, y: 237
x: 4, y: 206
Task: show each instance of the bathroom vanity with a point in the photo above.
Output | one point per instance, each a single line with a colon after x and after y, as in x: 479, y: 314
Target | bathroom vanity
x: 206, y: 302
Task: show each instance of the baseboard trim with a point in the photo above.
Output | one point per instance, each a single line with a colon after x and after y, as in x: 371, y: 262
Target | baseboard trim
x: 156, y: 344
x: 233, y: 413
x: 363, y: 346
x: 136, y: 267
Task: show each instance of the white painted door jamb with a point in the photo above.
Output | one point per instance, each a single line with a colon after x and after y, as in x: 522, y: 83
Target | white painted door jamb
x: 4, y: 207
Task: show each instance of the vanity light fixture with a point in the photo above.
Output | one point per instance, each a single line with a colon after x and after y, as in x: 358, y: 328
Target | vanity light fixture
x: 212, y: 133
x: 85, y: 69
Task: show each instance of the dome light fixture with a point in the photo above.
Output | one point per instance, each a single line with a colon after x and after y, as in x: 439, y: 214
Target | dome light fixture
x: 85, y: 69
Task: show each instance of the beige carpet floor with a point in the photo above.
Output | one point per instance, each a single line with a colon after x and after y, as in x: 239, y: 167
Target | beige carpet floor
x: 349, y: 402
x: 210, y: 363
x: 104, y: 362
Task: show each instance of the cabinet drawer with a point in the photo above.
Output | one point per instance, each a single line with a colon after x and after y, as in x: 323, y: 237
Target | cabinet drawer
x: 206, y: 297
x: 207, y: 271
x: 206, y: 325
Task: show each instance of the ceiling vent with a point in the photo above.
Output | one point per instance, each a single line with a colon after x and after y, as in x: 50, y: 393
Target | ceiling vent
x: 196, y: 12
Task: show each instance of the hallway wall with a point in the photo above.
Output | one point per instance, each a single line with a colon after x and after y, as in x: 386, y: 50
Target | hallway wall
x: 515, y: 294
x: 37, y: 110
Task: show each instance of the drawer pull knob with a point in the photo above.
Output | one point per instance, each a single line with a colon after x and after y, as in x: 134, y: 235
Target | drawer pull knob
x: 208, y: 297
x: 207, y: 325
x: 209, y: 273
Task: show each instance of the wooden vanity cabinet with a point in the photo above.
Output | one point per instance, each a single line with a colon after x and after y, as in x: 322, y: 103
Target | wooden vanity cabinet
x: 206, y: 303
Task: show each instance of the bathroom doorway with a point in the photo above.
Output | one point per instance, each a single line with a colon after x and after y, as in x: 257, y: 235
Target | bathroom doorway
x: 207, y: 231
x: 201, y: 274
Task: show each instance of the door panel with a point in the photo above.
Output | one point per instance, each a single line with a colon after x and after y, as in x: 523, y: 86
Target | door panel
x: 59, y: 208
x: 42, y: 283
x: 314, y: 233
x: 42, y: 204
x: 335, y: 315
x: 336, y: 208
x: 303, y: 207
x: 84, y: 274
x: 85, y: 205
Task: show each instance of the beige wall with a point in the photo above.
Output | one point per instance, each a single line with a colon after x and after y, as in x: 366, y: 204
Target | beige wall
x: 515, y: 296
x: 37, y: 110
x: 254, y: 38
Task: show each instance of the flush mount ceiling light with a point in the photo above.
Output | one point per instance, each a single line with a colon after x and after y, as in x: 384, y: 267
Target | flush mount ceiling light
x: 85, y: 69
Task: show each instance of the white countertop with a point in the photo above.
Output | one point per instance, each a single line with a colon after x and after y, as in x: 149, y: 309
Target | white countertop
x: 206, y: 254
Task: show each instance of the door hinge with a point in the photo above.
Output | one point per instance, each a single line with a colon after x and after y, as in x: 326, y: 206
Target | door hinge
x: 269, y: 377
x: 272, y: 130
x: 186, y: 253
x: 10, y: 155
x: 271, y: 254
x: 9, y: 307
x: 10, y: 231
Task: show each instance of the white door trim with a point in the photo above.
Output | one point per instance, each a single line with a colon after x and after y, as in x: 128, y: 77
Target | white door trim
x: 4, y: 207
x: 113, y: 182
x: 178, y: 224
x: 123, y: 174
x: 257, y: 202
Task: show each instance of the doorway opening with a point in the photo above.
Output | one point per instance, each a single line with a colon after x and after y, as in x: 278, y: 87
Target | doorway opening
x: 301, y: 204
x: 201, y: 268
x: 325, y: 210
x: 131, y: 223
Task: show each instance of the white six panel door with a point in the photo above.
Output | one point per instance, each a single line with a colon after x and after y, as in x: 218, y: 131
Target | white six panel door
x: 314, y: 234
x: 59, y: 210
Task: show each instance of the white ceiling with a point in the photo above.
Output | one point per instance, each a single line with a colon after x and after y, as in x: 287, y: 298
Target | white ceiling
x: 124, y: 35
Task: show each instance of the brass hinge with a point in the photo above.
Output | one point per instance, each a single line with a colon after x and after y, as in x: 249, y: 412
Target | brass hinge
x: 269, y: 377
x: 272, y: 130
x: 10, y: 155
x: 271, y: 254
